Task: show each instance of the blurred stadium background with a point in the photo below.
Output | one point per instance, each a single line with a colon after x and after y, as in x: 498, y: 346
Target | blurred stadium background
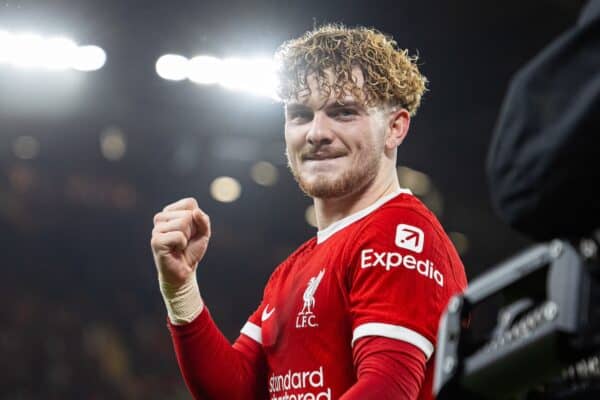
x: 88, y: 157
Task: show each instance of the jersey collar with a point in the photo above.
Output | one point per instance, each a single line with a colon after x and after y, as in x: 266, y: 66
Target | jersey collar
x: 324, y: 234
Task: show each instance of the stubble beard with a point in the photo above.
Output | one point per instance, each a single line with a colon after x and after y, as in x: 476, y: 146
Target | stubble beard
x: 359, y: 175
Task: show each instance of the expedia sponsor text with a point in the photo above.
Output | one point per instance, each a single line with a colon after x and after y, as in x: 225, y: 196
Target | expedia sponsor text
x: 388, y: 260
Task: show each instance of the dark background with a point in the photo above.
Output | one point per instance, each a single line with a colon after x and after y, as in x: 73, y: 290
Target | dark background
x: 80, y: 311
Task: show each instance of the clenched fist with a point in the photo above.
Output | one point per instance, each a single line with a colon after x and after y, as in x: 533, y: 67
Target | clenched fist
x: 179, y: 241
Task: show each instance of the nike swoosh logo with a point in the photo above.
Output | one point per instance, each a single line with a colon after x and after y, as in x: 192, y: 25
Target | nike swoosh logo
x: 266, y: 314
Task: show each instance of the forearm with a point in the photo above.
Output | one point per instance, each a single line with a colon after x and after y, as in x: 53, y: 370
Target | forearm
x: 211, y: 367
x: 183, y: 303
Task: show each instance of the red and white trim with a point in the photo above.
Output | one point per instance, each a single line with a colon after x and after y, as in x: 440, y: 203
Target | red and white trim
x: 253, y: 331
x: 324, y: 234
x: 394, y: 332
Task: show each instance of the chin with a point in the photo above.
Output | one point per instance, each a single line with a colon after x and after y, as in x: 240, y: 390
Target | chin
x: 324, y: 187
x: 335, y: 182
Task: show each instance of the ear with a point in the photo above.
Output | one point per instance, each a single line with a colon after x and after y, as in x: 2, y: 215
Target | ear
x: 398, y: 124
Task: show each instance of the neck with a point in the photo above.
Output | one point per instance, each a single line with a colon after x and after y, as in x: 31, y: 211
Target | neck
x: 329, y: 211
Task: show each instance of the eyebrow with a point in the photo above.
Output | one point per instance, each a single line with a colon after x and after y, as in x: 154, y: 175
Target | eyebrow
x: 296, y: 107
x: 290, y: 107
x: 349, y: 103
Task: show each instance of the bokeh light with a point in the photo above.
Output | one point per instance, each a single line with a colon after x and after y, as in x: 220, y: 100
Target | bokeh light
x: 26, y: 50
x: 89, y: 58
x: 225, y: 189
x: 264, y: 173
x: 113, y: 143
x: 30, y: 50
x: 255, y: 76
x: 172, y: 67
x: 26, y: 147
x: 418, y: 182
x: 60, y: 53
x: 434, y: 201
x: 251, y: 75
x: 205, y: 70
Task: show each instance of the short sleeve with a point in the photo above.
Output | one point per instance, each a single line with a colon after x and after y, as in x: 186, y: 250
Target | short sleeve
x: 401, y: 278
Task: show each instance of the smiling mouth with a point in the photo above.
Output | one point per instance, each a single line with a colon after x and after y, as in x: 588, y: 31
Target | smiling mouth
x: 322, y: 158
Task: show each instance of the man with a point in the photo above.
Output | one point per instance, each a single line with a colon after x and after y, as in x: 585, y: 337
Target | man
x: 352, y: 313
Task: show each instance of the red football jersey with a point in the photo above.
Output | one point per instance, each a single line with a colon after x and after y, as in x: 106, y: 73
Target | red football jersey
x: 388, y: 270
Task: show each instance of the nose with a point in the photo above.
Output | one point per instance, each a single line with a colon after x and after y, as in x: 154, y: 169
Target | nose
x: 320, y: 132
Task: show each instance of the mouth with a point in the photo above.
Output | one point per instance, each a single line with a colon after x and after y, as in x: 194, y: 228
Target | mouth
x: 321, y: 157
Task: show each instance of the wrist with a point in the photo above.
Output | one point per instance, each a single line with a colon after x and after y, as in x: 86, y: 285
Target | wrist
x: 183, y: 302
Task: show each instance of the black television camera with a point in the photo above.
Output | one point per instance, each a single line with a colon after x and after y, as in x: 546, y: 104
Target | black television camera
x: 529, y: 328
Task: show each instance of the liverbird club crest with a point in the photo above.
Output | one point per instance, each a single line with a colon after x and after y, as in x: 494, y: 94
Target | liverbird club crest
x: 306, y: 317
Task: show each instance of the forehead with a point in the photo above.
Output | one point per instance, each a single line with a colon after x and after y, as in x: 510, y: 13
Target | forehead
x: 314, y: 97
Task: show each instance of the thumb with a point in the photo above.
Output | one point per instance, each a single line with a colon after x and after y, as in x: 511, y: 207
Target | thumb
x: 197, y: 244
x: 201, y: 222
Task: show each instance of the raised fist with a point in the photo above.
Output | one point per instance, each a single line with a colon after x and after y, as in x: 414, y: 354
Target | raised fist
x: 179, y: 240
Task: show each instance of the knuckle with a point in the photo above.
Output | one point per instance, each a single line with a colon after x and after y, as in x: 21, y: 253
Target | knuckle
x: 181, y: 238
x: 181, y: 227
x: 191, y: 202
x: 169, y: 205
x: 178, y: 224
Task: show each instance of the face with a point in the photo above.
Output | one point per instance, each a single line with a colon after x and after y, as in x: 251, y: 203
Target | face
x: 333, y: 150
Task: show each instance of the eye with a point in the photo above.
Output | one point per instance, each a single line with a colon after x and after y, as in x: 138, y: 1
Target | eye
x: 344, y: 112
x: 299, y: 116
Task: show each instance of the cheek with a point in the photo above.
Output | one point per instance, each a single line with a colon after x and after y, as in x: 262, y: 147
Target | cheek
x: 366, y: 148
x: 359, y: 136
x: 294, y: 140
x: 360, y: 143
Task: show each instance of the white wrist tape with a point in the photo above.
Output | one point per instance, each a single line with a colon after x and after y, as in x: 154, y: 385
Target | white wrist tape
x: 184, y: 303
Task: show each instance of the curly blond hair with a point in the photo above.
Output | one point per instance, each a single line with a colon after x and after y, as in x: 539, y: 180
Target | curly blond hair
x: 391, y: 76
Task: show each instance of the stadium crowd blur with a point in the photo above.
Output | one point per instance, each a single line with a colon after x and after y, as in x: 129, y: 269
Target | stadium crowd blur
x: 81, y: 314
